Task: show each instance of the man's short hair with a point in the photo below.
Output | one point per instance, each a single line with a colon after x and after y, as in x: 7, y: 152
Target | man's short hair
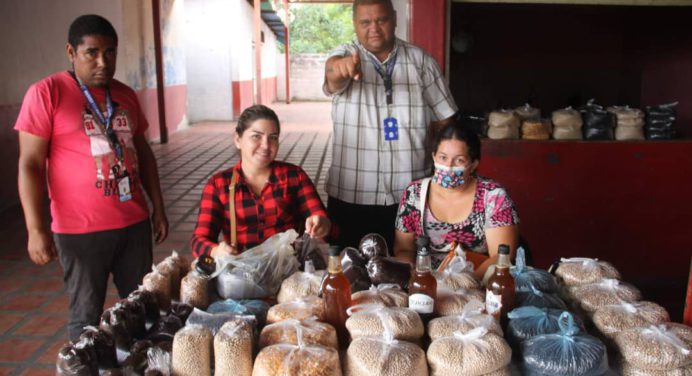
x: 90, y: 24
x: 387, y: 4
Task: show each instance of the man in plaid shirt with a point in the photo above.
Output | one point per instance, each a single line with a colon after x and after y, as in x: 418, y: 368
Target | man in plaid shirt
x: 387, y: 97
x: 270, y: 196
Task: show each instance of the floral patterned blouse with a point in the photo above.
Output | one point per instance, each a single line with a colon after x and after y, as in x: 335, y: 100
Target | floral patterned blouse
x: 492, y: 207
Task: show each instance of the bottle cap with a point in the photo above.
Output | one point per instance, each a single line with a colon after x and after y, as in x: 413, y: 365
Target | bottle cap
x: 334, y: 250
x: 205, y: 265
x: 503, y: 249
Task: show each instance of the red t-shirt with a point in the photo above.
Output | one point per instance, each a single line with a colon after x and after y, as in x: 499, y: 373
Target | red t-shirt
x: 83, y: 191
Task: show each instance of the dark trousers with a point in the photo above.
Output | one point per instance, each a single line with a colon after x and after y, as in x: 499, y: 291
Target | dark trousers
x: 355, y: 221
x: 88, y: 259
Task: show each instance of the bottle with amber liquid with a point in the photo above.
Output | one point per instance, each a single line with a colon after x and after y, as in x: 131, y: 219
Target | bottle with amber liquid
x: 422, y: 288
x: 336, y: 293
x: 500, y: 288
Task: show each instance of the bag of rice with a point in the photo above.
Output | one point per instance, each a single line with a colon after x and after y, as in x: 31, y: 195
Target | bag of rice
x: 579, y: 271
x: 592, y: 296
x: 311, y: 332
x: 300, y: 285
x: 374, y: 356
x: 611, y: 319
x: 528, y: 322
x: 452, y: 302
x: 375, y: 320
x: 233, y: 349
x: 477, y: 352
x: 389, y: 295
x: 471, y: 317
x: 297, y: 360
x: 298, y: 309
x: 657, y: 347
x: 531, y: 296
x: 192, y: 351
x: 568, y: 352
x: 525, y: 275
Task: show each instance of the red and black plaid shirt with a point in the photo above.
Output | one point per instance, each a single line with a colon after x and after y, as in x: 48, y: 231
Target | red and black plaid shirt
x: 288, y: 198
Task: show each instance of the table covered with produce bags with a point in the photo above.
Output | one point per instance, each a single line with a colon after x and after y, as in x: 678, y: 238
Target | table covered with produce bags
x: 260, y: 313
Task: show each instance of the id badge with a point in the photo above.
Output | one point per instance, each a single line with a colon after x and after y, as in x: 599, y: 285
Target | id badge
x: 391, y: 129
x: 124, y: 191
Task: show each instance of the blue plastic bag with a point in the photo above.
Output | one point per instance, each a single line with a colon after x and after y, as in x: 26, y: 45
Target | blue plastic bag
x: 525, y: 275
x: 257, y: 308
x: 531, y: 296
x: 528, y: 322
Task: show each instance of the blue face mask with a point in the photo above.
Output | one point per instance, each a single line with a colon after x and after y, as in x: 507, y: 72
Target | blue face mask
x: 448, y: 177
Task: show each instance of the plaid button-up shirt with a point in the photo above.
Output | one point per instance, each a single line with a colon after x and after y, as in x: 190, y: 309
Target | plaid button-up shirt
x: 288, y: 198
x: 366, y: 169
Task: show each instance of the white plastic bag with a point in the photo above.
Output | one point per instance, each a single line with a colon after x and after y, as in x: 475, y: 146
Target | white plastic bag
x: 471, y: 317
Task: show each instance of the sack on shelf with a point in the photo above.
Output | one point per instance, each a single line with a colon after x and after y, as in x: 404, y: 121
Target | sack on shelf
x: 567, y: 124
x: 503, y: 125
x: 536, y: 129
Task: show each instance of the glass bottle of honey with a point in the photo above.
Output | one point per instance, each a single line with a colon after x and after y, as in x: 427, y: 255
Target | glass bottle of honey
x: 500, y: 289
x: 336, y: 293
x: 422, y: 288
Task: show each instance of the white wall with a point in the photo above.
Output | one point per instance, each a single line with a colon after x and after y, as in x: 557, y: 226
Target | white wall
x: 209, y: 43
x: 401, y: 7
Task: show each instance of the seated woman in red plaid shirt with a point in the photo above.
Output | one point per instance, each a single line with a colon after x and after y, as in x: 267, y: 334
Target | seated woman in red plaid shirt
x: 270, y: 196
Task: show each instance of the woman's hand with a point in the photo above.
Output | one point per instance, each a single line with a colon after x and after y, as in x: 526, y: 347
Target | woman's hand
x: 317, y: 226
x: 223, y: 249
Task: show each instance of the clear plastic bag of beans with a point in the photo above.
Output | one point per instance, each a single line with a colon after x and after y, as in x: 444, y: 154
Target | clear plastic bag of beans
x: 607, y: 291
x: 626, y: 369
x: 160, y: 285
x: 214, y: 321
x: 476, y: 352
x: 525, y: 275
x: 452, y: 302
x: 171, y: 267
x: 389, y: 295
x: 298, y: 309
x: 458, y: 274
x: 531, y: 296
x: 656, y: 347
x: 528, y: 322
x: 233, y: 346
x: 374, y: 320
x: 615, y: 318
x: 312, y: 331
x: 158, y: 362
x: 194, y: 290
x: 471, y: 317
x: 192, y: 348
x: 300, y: 285
x: 579, y: 271
x: 378, y: 356
x: 568, y: 352
x: 297, y: 360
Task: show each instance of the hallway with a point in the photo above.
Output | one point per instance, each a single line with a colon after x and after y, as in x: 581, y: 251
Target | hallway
x: 33, y: 302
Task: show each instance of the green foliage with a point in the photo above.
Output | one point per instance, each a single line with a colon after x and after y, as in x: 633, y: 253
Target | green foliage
x: 319, y: 28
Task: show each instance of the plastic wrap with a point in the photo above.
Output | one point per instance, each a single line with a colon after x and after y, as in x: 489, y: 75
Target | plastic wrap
x: 592, y: 296
x: 525, y: 275
x: 259, y: 271
x: 580, y: 271
x: 312, y: 331
x: 374, y: 320
x: 611, y: 319
x: 598, y: 123
x: 568, y: 352
x: 165, y: 328
x: 458, y: 274
x: 182, y: 310
x: 257, y: 308
x: 297, y: 360
x: 136, y: 317
x: 660, y: 120
x: 527, y: 112
x: 372, y: 356
x: 474, y: 353
x: 158, y: 362
x: 192, y: 348
x: 73, y: 361
x: 214, y: 321
x: 313, y: 250
x: 194, y: 290
x: 170, y: 269
x: 115, y: 321
x: 160, y: 285
x: 536, y: 129
x: 352, y: 256
x: 528, y: 322
x: 389, y: 270
x: 503, y: 124
x: 300, y: 285
x: 452, y: 302
x: 471, y: 317
x: 567, y: 124
x: 233, y: 349
x: 358, y: 277
x: 148, y: 299
x: 373, y: 245
x: 531, y: 296
x: 657, y: 347
x: 103, y: 345
x: 298, y: 309
x: 386, y: 294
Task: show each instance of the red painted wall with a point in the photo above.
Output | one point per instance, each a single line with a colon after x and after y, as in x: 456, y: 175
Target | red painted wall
x: 427, y: 27
x: 243, y: 94
x: 176, y: 108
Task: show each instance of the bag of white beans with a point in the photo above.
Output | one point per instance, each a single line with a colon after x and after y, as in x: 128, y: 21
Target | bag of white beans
x: 627, y: 369
x: 300, y: 285
x: 457, y: 274
x: 477, y: 352
x: 298, y: 309
x: 611, y: 319
x: 191, y: 354
x: 530, y: 321
x: 160, y: 285
x: 387, y: 294
x: 568, y: 352
x: 452, y: 302
x: 656, y: 347
x: 471, y: 317
x: 312, y: 331
x: 567, y: 124
x: 503, y: 125
x: 579, y: 271
x: 194, y: 290
x: 374, y: 356
x: 297, y: 360
x: 373, y: 320
x: 233, y: 349
x: 607, y: 291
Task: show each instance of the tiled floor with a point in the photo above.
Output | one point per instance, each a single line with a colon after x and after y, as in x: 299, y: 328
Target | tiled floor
x: 33, y: 302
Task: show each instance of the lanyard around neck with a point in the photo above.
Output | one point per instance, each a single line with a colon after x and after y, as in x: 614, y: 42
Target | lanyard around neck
x: 386, y: 75
x: 107, y: 121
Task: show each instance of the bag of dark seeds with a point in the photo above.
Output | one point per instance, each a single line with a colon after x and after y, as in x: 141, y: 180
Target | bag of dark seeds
x: 389, y: 270
x: 165, y: 328
x: 599, y: 124
x: 373, y: 245
x: 115, y: 321
x: 531, y: 296
x: 525, y: 275
x: 148, y: 299
x: 528, y: 322
x: 74, y: 361
x: 102, y: 344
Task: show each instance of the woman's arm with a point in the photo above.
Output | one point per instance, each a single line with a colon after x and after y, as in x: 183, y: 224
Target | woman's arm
x: 494, y: 237
x: 209, y: 221
x: 404, y: 246
x: 317, y: 224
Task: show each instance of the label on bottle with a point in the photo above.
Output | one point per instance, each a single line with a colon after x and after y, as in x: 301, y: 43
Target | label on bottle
x: 421, y: 303
x: 493, y: 303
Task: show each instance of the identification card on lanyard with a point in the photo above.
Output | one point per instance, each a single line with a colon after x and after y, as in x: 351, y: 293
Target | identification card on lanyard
x: 390, y: 124
x: 119, y: 169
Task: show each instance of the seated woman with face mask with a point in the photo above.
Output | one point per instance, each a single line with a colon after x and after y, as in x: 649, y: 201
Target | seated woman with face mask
x: 462, y: 209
